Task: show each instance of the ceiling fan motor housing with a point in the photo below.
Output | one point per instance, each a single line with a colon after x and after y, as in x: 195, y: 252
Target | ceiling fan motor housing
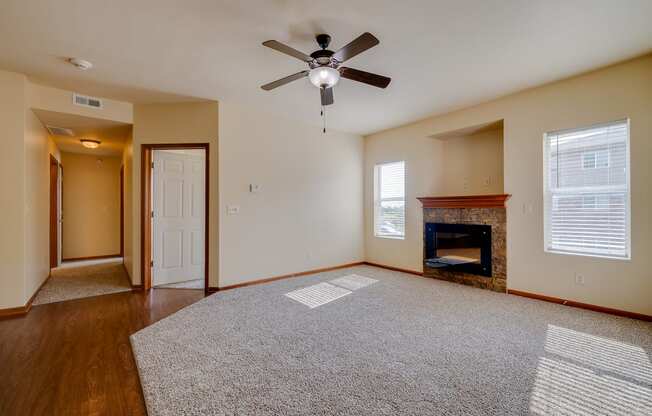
x: 323, y: 40
x: 321, y: 57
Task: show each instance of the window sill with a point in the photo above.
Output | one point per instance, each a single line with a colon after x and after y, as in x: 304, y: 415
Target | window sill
x: 389, y: 237
x: 599, y: 256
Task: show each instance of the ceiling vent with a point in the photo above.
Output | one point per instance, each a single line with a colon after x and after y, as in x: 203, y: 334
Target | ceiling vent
x: 60, y: 131
x: 86, y: 101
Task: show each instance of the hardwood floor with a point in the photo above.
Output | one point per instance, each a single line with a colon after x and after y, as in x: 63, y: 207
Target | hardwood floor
x: 74, y: 357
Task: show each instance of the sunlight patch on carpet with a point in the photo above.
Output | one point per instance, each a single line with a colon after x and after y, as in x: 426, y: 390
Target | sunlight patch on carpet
x: 585, y: 374
x: 353, y: 281
x: 318, y: 295
x: 602, y: 353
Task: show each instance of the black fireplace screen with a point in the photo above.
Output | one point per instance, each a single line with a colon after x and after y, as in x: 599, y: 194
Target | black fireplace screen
x: 458, y: 247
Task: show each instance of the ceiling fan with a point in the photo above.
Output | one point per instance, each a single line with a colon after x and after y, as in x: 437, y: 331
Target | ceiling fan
x: 325, y: 70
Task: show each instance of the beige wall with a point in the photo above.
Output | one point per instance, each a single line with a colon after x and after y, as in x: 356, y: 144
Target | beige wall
x: 612, y: 93
x: 308, y: 212
x: 91, y: 205
x: 24, y: 181
x: 12, y: 220
x: 424, y: 176
x: 53, y: 99
x: 472, y: 164
x: 127, y: 163
x: 38, y: 148
x: 192, y: 122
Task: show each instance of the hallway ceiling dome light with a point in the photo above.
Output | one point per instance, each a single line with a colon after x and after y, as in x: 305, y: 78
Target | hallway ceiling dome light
x: 81, y: 64
x: 89, y: 143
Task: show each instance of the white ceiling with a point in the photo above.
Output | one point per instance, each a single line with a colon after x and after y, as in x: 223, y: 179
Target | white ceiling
x: 111, y: 134
x: 441, y: 55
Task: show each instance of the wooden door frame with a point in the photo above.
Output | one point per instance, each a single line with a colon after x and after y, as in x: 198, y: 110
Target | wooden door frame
x: 61, y: 213
x: 146, y: 207
x: 122, y: 212
x: 54, y: 212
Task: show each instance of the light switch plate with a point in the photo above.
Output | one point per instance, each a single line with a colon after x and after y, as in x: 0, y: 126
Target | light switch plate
x: 254, y: 188
x: 233, y: 209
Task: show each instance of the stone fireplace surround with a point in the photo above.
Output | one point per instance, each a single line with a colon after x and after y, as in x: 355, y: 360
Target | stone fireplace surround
x: 474, y: 209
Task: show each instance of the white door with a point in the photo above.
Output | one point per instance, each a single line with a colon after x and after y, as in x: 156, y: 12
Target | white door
x: 178, y: 223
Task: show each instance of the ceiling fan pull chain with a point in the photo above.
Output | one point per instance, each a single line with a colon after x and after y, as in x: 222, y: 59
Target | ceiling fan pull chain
x: 323, y: 115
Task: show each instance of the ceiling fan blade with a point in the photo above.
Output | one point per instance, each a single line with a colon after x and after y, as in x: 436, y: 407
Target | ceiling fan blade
x: 355, y: 47
x: 366, y: 77
x: 326, y: 96
x: 286, y: 80
x: 287, y: 50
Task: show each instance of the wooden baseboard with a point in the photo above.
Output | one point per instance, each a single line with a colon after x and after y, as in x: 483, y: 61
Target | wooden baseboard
x: 22, y: 310
x: 395, y: 269
x: 133, y: 286
x: 15, y: 312
x: 285, y: 276
x: 560, y: 301
x: 106, y: 256
x: 575, y: 304
x: 213, y: 289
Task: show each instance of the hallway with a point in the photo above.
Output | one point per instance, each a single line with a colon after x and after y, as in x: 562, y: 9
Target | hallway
x: 84, y: 280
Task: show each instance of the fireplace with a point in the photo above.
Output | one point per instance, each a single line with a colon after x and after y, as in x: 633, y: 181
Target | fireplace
x: 465, y: 240
x: 459, y: 247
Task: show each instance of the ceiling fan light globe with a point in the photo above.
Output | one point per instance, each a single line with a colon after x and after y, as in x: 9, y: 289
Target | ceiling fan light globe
x: 324, y: 76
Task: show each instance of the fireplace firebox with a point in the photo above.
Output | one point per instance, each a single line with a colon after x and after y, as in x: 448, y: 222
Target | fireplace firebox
x: 458, y: 247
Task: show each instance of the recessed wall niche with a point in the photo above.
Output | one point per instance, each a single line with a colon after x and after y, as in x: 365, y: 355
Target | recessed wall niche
x: 471, y: 161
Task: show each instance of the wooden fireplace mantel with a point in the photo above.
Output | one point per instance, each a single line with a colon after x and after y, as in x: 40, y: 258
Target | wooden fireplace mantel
x: 467, y: 201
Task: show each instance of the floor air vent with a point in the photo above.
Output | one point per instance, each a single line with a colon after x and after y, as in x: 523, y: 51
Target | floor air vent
x: 86, y: 101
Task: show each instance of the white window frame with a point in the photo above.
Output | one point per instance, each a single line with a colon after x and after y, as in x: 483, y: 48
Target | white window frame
x: 378, y: 200
x: 595, y: 159
x: 547, y: 194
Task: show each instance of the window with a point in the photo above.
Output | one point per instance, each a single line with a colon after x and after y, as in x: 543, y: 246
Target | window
x: 595, y: 159
x: 586, y: 185
x: 389, y: 200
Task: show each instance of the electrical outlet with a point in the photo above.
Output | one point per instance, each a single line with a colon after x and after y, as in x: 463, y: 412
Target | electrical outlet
x: 579, y: 279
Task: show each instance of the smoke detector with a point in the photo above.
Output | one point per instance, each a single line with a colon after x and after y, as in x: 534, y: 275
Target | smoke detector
x: 81, y: 63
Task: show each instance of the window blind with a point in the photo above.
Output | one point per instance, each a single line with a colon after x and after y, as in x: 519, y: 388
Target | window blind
x: 587, y: 190
x: 389, y: 200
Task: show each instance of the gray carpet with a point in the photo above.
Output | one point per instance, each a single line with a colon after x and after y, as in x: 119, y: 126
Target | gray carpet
x: 399, y: 345
x: 67, y: 283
